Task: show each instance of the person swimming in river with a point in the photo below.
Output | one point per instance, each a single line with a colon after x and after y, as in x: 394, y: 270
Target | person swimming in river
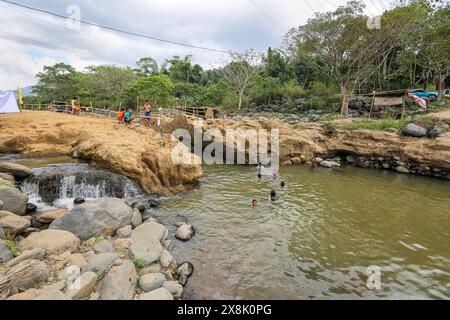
x: 275, y: 174
x: 260, y: 168
x: 273, y: 196
x: 259, y: 177
x: 254, y: 203
x: 283, y: 185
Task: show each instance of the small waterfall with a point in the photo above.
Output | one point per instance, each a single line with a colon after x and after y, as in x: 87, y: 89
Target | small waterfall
x: 60, y: 184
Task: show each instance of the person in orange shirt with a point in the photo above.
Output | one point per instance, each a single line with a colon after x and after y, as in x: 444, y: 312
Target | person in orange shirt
x: 121, y: 116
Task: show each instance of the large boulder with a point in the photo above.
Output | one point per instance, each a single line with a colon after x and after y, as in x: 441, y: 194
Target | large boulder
x: 36, y: 254
x: 54, y: 242
x: 95, y: 218
x: 17, y: 170
x: 414, y: 130
x: 119, y: 283
x: 13, y: 224
x: 13, y: 200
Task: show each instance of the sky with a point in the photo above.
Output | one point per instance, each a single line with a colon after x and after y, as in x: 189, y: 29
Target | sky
x: 31, y: 40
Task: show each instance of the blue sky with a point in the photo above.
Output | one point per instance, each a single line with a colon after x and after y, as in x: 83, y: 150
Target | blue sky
x: 30, y: 40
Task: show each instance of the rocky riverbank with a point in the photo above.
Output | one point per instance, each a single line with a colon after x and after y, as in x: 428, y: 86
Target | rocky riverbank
x: 104, y: 249
x: 416, y: 150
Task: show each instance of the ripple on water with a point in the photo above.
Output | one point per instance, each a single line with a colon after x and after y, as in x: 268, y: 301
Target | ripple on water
x: 319, y: 239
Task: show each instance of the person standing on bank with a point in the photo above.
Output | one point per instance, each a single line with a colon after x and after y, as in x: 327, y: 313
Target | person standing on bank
x: 148, y: 109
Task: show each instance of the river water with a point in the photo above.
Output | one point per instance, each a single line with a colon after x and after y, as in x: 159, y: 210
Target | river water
x: 318, y: 240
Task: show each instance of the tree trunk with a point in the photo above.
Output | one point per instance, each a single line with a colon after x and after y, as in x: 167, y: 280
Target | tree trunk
x: 345, y: 100
x: 441, y: 79
x: 240, y: 100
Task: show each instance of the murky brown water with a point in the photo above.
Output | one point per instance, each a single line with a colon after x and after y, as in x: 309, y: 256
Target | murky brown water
x: 319, y: 239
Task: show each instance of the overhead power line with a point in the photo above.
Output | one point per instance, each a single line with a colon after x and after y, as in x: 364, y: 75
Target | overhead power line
x: 120, y: 30
x: 267, y: 16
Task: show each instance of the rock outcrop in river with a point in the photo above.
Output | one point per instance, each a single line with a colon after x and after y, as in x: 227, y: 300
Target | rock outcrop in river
x: 136, y: 152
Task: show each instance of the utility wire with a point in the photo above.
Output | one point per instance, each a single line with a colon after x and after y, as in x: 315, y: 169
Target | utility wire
x: 83, y: 33
x: 47, y: 45
x: 267, y: 16
x: 119, y: 30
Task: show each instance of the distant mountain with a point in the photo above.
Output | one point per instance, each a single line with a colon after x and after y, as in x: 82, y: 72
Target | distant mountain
x: 26, y: 91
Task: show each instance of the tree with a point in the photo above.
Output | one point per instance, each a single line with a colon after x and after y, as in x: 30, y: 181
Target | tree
x: 106, y: 84
x: 156, y: 88
x: 342, y: 47
x: 182, y: 70
x: 60, y: 81
x: 147, y: 67
x: 241, y: 71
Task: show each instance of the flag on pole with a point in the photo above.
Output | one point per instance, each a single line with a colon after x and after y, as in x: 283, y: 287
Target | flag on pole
x: 19, y: 96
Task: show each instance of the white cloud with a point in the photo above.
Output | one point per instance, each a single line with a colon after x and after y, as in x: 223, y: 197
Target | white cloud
x: 33, y: 40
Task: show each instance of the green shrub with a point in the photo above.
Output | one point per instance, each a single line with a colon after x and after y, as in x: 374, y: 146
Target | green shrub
x: 139, y: 263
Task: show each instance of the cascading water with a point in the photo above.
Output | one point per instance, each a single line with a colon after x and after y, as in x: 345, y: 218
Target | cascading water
x: 58, y: 185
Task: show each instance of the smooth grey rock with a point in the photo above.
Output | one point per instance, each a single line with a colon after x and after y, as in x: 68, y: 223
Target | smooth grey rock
x: 103, y: 246
x: 154, y: 268
x: 414, y: 130
x: 151, y: 281
x: 82, y: 287
x: 330, y: 164
x: 185, y: 232
x: 13, y: 200
x: 136, y: 218
x: 174, y: 288
x: 149, y: 229
x: 5, y: 254
x: 147, y: 250
x: 434, y: 133
x: 100, y: 263
x: 124, y: 232
x: 95, y: 218
x: 17, y: 170
x: 119, y: 283
x: 60, y: 285
x: 35, y: 254
x: 158, y: 294
x: 69, y: 273
x: 401, y: 169
x: 185, y: 268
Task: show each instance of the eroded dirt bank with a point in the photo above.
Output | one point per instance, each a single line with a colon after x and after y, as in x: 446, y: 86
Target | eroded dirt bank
x: 139, y: 153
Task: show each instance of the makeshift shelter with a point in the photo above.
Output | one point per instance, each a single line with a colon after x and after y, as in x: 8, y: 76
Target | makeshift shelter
x: 8, y: 102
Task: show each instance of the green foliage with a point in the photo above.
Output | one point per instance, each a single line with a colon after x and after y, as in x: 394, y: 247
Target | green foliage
x: 139, y: 263
x: 11, y: 246
x: 155, y: 88
x: 60, y: 81
x: 383, y: 124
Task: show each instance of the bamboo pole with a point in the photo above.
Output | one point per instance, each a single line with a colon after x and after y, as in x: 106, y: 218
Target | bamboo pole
x: 372, y: 105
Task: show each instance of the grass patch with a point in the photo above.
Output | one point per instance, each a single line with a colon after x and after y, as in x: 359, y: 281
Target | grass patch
x: 383, y: 124
x: 139, y: 263
x: 11, y: 246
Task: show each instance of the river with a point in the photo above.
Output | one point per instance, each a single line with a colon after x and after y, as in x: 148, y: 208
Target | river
x: 318, y: 240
